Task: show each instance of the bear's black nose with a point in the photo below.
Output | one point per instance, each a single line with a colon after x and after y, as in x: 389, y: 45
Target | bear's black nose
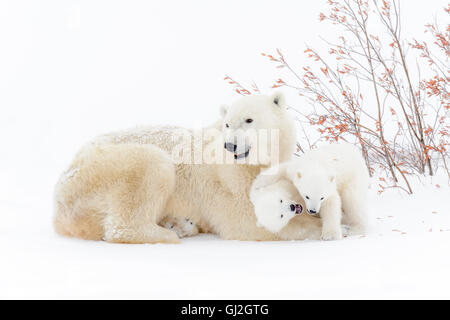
x: 292, y: 207
x: 312, y: 211
x: 230, y: 147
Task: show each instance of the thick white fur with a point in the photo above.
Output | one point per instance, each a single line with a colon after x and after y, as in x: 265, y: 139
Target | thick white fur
x: 330, y: 178
x: 123, y: 185
x: 273, y: 203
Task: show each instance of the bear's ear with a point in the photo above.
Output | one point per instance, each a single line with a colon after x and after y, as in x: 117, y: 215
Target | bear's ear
x: 332, y: 178
x: 223, y: 110
x: 278, y: 99
x: 299, y: 175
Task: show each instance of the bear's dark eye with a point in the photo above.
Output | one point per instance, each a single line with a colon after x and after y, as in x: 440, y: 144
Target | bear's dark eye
x: 307, y: 197
x: 281, y: 201
x: 321, y: 198
x: 282, y: 216
x: 249, y: 120
x: 226, y: 125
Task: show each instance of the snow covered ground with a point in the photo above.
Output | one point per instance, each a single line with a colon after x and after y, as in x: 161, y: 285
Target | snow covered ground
x: 72, y: 69
x: 405, y: 255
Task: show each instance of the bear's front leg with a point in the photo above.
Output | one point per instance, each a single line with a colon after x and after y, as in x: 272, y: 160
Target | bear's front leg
x: 331, y: 214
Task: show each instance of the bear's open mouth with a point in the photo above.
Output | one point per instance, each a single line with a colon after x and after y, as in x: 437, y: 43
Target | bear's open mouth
x: 298, y: 209
x: 242, y: 155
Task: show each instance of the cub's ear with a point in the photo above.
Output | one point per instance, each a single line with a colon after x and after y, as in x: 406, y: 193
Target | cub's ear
x: 278, y: 99
x: 299, y: 175
x: 223, y: 110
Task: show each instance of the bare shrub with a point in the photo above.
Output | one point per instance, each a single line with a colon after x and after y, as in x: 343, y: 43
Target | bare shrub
x: 366, y: 90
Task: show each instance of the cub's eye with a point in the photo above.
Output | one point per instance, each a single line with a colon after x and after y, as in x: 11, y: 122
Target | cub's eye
x: 321, y: 198
x: 226, y: 125
x: 249, y: 120
x: 307, y: 197
x: 282, y: 216
x: 281, y: 201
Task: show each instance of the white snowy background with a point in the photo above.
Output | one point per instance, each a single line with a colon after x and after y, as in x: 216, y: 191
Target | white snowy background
x: 70, y: 70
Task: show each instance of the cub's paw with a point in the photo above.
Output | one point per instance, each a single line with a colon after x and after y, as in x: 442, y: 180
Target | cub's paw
x: 188, y: 227
x: 331, y: 234
x: 183, y: 227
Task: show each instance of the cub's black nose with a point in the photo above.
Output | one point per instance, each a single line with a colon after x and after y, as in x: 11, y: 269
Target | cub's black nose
x: 292, y: 207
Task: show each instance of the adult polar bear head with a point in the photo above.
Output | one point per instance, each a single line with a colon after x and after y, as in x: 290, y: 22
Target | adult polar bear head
x: 258, y: 130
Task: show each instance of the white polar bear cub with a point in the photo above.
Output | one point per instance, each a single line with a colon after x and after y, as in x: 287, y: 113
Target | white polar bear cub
x: 274, y: 204
x: 332, y: 179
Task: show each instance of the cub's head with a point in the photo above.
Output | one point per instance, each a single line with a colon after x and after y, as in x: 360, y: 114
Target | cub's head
x: 315, y: 185
x: 258, y: 130
x: 275, y: 205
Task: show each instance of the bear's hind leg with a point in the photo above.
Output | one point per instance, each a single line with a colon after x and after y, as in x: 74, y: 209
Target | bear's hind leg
x: 126, y: 223
x: 119, y: 231
x: 137, y: 204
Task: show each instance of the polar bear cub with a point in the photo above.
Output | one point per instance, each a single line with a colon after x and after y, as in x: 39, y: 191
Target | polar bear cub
x: 274, y: 204
x: 332, y: 179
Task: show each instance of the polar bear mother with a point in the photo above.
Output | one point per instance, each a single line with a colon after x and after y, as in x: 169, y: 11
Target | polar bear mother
x: 122, y: 185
